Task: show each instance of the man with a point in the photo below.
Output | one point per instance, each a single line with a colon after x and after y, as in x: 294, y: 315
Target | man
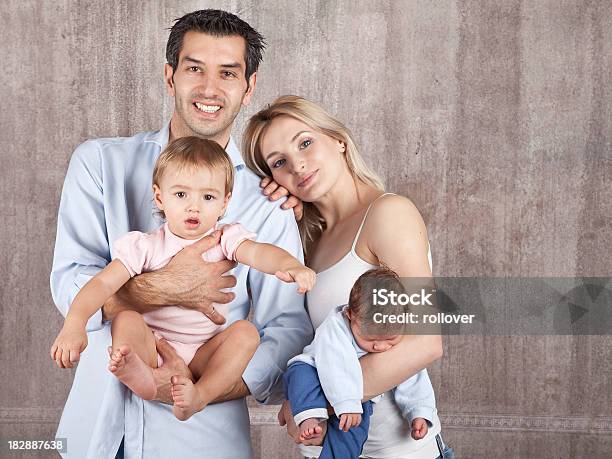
x: 211, y: 72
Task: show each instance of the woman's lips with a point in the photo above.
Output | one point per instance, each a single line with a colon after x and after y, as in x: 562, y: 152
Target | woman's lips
x: 308, y: 179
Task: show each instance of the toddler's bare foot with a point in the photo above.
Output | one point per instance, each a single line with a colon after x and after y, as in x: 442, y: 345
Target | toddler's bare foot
x: 312, y: 430
x: 187, y: 398
x: 129, y: 368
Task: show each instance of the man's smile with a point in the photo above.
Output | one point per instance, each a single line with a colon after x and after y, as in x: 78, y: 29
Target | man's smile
x: 207, y: 108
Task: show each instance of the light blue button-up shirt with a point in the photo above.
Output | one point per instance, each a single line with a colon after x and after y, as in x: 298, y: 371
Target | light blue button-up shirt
x: 107, y: 192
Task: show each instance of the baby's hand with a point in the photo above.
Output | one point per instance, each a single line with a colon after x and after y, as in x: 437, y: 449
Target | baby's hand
x: 348, y: 420
x: 305, y: 277
x: 419, y: 428
x: 67, y: 348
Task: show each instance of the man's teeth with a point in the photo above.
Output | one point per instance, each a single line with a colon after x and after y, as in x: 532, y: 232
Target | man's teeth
x: 207, y: 108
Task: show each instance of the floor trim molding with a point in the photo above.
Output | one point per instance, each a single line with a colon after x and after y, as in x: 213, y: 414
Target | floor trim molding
x: 266, y: 416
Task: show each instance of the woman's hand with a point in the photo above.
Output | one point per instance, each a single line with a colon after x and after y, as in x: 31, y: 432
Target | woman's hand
x: 286, y: 418
x: 67, y: 347
x: 348, y: 420
x: 274, y: 192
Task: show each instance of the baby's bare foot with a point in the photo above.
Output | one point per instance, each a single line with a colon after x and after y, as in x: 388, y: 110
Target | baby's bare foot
x: 187, y: 398
x: 129, y: 368
x: 312, y: 430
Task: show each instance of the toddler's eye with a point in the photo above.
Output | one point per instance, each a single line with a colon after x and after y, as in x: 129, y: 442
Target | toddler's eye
x: 278, y: 163
x: 180, y: 194
x: 209, y: 197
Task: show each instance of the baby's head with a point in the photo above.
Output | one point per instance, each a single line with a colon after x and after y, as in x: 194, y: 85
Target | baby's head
x: 192, y: 185
x: 360, y: 310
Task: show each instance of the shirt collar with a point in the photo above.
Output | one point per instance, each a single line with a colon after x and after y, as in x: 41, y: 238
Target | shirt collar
x: 172, y: 240
x: 161, y: 138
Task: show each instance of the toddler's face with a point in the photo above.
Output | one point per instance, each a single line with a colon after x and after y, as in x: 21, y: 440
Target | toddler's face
x: 371, y: 343
x: 193, y: 199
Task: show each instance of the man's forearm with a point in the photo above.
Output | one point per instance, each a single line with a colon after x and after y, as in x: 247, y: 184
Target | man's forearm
x: 238, y: 390
x: 142, y: 293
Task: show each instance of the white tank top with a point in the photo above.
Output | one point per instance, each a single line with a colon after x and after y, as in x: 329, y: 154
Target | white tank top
x: 389, y: 434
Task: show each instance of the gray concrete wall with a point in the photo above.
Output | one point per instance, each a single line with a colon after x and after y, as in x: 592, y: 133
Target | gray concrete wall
x: 495, y: 117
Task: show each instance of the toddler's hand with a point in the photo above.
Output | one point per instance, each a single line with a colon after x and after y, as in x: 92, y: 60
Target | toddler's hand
x: 305, y: 277
x: 419, y: 428
x: 348, y: 420
x: 68, y: 345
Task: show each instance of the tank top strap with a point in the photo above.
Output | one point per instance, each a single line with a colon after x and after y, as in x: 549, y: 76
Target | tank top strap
x: 363, y: 221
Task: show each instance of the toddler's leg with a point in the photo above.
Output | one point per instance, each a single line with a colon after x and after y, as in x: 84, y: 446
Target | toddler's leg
x: 346, y: 444
x: 218, y: 365
x: 133, y: 354
x: 308, y: 402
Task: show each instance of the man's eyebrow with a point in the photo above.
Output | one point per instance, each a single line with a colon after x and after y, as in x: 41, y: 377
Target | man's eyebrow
x: 292, y: 140
x: 193, y: 60
x: 229, y: 65
x: 232, y: 65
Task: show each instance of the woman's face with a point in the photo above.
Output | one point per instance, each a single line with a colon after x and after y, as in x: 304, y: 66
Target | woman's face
x: 306, y: 162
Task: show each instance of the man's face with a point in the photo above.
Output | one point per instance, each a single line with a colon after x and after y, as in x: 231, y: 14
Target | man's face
x: 209, y: 86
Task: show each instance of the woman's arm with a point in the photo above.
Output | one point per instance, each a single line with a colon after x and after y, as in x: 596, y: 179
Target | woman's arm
x: 396, y: 235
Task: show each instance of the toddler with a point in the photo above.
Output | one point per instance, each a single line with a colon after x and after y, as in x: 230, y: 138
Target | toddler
x: 192, y: 183
x: 328, y: 371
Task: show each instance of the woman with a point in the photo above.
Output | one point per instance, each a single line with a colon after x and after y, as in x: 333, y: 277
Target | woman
x: 349, y: 226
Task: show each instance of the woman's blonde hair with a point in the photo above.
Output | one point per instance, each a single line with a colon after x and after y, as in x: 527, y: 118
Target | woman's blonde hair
x: 191, y: 153
x: 312, y: 224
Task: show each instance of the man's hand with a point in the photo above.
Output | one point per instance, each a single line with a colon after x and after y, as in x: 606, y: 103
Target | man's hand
x: 187, y: 280
x: 196, y: 284
x: 172, y: 365
x: 274, y: 192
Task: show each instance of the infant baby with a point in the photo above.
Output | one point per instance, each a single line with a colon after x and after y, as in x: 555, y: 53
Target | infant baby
x: 328, y: 370
x: 192, y: 185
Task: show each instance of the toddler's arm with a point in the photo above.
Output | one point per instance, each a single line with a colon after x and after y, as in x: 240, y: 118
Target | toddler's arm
x: 338, y: 366
x: 270, y: 259
x: 416, y: 400
x: 72, y: 339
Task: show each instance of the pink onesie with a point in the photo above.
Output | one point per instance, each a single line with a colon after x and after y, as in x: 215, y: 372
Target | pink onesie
x: 185, y: 329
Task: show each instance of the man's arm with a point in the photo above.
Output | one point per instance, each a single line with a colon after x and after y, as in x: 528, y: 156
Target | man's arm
x: 187, y: 280
x: 81, y: 245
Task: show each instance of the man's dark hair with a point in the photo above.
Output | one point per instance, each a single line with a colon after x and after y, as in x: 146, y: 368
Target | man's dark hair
x: 219, y: 24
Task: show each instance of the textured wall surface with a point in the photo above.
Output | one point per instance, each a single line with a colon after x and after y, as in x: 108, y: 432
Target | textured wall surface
x: 495, y: 117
